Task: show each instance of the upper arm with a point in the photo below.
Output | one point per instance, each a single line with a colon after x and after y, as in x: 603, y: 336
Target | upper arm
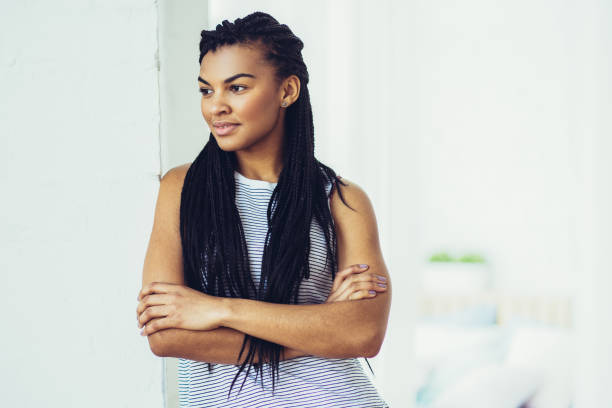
x: 164, y: 257
x: 358, y: 242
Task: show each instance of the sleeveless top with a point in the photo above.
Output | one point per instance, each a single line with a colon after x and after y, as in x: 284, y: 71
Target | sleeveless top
x: 304, y: 382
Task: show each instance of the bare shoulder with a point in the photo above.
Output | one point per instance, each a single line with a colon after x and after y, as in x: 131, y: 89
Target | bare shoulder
x: 165, y: 241
x: 176, y: 175
x: 356, y: 198
x: 169, y: 196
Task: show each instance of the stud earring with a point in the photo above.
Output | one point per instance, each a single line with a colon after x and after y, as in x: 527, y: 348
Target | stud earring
x: 284, y: 104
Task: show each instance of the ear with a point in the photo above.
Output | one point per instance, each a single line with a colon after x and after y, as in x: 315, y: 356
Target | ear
x: 290, y: 90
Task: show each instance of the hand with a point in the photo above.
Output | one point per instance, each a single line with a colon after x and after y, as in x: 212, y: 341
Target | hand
x: 169, y: 305
x: 355, y: 283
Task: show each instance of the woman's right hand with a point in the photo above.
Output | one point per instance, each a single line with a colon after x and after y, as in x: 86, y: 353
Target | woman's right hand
x: 354, y: 283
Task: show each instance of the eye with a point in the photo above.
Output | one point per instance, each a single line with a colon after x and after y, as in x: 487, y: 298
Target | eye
x: 238, y: 86
x: 203, y: 91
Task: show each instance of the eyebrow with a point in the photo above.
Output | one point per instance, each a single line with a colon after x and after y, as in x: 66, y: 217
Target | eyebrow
x: 228, y: 80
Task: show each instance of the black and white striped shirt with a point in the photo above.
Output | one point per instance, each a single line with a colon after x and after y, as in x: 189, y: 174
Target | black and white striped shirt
x: 304, y: 382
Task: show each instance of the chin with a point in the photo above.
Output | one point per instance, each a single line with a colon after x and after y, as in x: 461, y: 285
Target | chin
x: 228, y: 145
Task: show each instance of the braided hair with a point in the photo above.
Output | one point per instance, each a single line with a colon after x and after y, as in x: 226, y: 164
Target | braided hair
x: 214, y: 248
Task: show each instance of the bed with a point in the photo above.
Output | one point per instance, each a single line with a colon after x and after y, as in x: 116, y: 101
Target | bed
x: 494, y: 349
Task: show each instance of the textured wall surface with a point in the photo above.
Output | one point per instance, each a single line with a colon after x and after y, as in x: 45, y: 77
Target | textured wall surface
x: 79, y: 126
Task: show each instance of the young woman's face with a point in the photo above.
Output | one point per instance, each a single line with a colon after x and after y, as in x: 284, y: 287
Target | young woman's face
x: 239, y: 87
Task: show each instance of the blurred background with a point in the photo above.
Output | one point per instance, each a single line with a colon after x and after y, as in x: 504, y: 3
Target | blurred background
x: 481, y: 131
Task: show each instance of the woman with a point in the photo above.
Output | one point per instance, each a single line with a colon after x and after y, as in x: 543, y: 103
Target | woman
x: 247, y: 241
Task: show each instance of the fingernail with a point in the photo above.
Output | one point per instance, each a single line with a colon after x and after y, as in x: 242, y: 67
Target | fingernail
x: 372, y: 292
x: 382, y: 278
x: 363, y: 265
x: 382, y: 285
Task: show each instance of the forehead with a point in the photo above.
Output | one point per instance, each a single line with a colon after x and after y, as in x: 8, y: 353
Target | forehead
x: 228, y: 60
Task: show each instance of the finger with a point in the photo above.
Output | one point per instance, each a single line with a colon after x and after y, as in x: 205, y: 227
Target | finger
x: 341, y: 284
x: 361, y: 286
x: 152, y: 300
x: 362, y: 294
x: 357, y: 277
x: 152, y: 312
x: 340, y: 278
x: 156, y: 287
x: 369, y: 285
x: 331, y: 298
x: 155, y: 325
x: 355, y: 268
x: 341, y: 275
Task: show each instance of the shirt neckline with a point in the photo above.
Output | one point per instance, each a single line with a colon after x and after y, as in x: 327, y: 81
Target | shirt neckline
x: 254, y: 182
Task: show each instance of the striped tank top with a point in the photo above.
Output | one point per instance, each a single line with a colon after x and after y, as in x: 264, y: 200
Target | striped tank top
x: 304, y: 382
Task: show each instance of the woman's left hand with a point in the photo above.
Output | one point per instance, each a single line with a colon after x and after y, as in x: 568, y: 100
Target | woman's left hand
x: 169, y: 305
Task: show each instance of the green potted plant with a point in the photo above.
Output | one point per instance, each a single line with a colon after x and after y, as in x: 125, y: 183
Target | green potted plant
x: 445, y: 273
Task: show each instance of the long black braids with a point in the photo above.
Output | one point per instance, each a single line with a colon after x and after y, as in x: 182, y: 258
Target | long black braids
x: 214, y: 248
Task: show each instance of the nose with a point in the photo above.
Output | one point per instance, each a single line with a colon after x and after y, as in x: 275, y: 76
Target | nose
x: 216, y: 105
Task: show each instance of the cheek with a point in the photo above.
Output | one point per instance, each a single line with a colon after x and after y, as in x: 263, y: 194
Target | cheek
x: 203, y: 108
x: 258, y: 110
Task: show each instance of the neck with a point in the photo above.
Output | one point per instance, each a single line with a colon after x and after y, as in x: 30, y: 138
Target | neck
x: 264, y: 160
x: 259, y: 167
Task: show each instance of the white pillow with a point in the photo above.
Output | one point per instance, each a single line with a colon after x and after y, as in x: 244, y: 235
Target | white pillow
x: 491, y: 386
x: 552, y: 352
x: 446, y: 354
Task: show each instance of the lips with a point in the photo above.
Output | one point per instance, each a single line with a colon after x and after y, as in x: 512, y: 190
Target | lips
x: 225, y: 128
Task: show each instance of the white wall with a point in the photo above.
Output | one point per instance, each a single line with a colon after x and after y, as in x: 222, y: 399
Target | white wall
x: 591, y: 107
x: 492, y: 84
x: 183, y: 129
x: 79, y: 172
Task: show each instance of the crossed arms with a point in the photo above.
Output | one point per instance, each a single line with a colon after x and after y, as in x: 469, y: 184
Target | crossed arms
x: 342, y: 329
